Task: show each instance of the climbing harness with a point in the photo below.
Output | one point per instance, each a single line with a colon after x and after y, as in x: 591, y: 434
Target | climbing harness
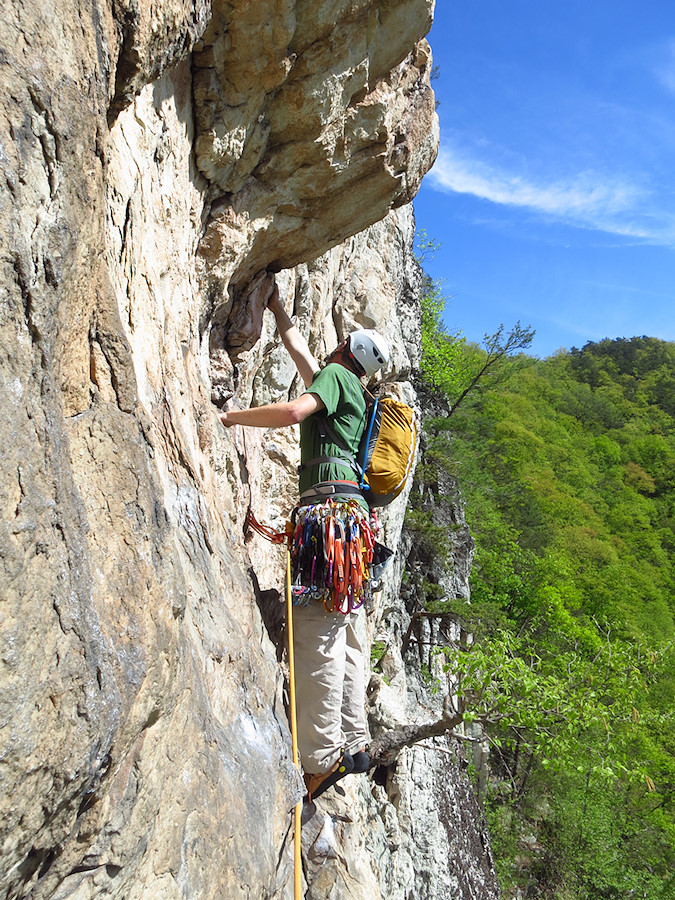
x: 336, y: 558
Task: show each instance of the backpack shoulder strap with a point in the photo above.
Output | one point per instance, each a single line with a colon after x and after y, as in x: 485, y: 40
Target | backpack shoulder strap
x: 326, y: 430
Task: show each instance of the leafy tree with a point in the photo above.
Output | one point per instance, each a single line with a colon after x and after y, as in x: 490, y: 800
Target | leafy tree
x: 457, y: 368
x: 566, y: 466
x: 487, y: 369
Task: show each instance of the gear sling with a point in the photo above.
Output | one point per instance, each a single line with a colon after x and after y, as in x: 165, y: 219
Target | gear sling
x: 332, y: 549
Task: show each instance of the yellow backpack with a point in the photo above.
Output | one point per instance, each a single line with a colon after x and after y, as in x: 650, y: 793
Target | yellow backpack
x: 387, y: 450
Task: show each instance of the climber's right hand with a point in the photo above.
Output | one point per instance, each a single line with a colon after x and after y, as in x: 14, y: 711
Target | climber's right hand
x: 274, y: 304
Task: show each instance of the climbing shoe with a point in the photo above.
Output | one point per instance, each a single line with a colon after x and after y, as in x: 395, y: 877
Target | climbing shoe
x: 361, y: 761
x: 317, y: 784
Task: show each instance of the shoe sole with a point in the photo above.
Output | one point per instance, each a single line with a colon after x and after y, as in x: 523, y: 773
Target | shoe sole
x: 346, y: 767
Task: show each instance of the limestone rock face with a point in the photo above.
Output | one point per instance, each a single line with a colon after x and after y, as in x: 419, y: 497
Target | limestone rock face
x: 144, y: 746
x: 149, y: 38
x: 312, y: 120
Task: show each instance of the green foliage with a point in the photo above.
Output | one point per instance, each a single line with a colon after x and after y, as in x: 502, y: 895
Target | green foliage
x: 431, y: 538
x: 432, y: 681
x: 377, y: 652
x: 425, y: 246
x: 567, y: 467
x: 454, y: 367
x: 444, y: 355
x: 565, y: 707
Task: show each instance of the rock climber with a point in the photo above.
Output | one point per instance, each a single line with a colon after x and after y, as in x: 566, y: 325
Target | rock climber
x: 329, y: 657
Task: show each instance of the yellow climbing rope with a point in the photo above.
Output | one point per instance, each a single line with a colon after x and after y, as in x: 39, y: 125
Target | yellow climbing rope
x: 294, y: 726
x: 280, y: 537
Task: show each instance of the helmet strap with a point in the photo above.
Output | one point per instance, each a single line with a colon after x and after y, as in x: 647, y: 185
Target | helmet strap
x: 356, y: 366
x: 349, y: 357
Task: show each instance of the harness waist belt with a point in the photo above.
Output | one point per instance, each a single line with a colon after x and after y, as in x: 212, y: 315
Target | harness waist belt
x: 325, y: 489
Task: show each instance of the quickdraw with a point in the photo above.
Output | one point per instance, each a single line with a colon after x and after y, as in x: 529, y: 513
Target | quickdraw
x: 276, y: 537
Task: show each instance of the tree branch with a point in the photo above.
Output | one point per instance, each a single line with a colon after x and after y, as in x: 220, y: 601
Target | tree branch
x: 385, y: 749
x: 496, y: 349
x: 415, y: 617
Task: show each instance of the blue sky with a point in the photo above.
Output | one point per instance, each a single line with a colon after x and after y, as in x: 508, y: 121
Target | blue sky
x: 553, y: 196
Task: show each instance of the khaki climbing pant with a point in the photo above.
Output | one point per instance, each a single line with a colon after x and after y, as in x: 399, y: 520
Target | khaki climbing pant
x: 329, y: 684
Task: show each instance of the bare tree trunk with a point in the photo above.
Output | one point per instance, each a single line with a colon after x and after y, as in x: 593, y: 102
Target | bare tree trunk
x: 415, y: 617
x: 385, y: 748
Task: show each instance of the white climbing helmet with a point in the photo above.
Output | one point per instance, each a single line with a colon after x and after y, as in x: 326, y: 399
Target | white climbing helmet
x: 369, y: 349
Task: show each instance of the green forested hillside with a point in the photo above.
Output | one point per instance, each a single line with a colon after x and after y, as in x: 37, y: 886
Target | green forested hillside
x: 567, y: 468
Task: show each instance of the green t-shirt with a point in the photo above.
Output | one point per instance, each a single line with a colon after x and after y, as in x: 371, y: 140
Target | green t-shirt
x: 342, y: 395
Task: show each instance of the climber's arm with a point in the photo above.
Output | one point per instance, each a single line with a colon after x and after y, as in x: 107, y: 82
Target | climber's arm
x: 274, y: 415
x: 293, y: 340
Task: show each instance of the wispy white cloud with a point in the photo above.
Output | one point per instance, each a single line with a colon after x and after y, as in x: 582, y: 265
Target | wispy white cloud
x: 616, y: 288
x: 588, y: 200
x: 583, y: 195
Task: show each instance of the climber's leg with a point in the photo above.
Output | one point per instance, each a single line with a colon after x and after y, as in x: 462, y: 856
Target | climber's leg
x: 320, y: 639
x: 354, y: 722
